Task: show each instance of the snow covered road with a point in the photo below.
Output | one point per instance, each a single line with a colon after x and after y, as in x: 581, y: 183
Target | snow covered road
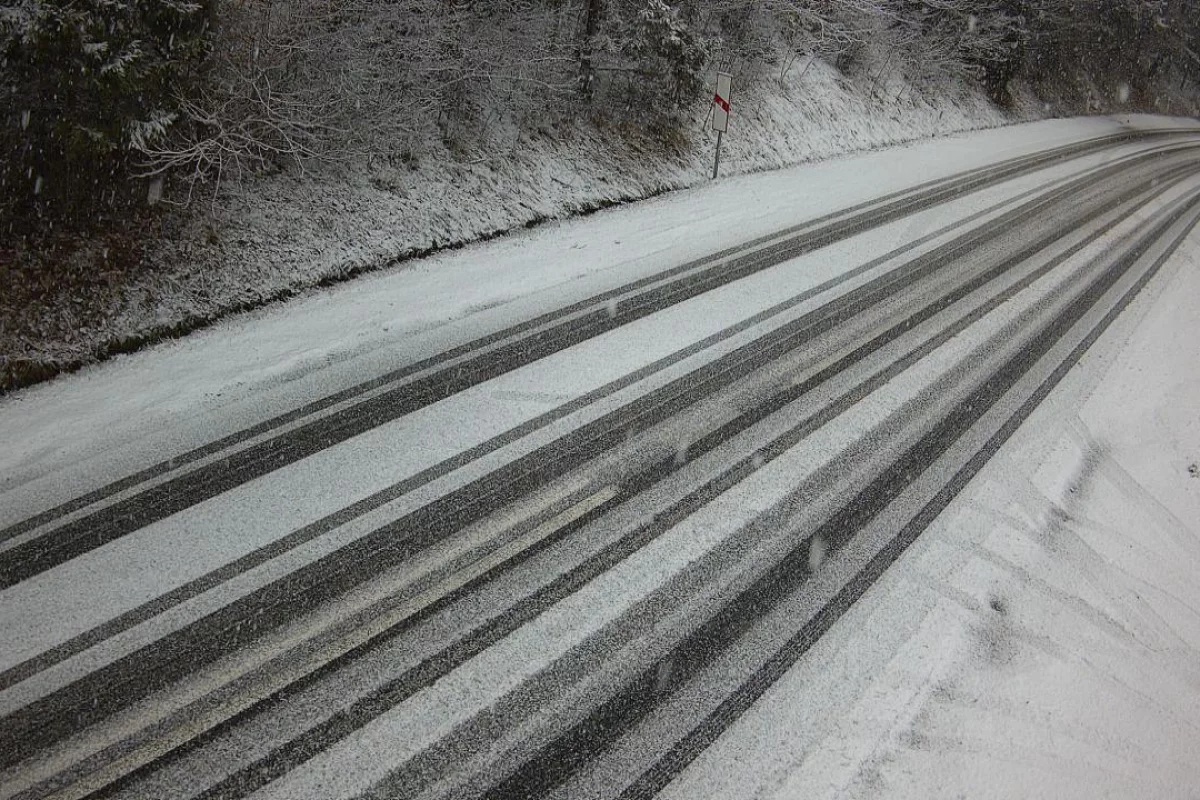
x: 560, y: 556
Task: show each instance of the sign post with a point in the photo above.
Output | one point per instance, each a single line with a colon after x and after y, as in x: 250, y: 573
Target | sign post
x: 720, y: 117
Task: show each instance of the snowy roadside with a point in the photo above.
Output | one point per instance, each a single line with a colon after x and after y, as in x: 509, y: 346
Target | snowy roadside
x: 1042, y: 638
x: 275, y: 236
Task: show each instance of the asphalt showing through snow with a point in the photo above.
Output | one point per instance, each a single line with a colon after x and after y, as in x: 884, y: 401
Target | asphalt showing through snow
x: 585, y: 617
x: 439, y: 377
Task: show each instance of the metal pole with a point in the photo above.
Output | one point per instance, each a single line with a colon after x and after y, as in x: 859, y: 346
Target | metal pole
x: 717, y: 162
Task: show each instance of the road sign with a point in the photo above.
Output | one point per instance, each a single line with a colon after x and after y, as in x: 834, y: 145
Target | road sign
x: 721, y: 107
x: 720, y: 115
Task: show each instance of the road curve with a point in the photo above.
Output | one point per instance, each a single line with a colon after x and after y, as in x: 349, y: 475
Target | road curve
x: 576, y: 599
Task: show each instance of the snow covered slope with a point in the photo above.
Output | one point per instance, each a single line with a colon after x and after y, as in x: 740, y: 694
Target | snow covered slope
x: 273, y: 236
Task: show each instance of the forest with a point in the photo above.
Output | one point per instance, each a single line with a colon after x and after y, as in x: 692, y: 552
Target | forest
x: 108, y: 101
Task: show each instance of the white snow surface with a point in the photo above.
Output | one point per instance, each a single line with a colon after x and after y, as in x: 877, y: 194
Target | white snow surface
x: 1041, y: 639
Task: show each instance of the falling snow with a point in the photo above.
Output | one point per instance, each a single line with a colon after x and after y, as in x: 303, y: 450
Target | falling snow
x: 154, y: 191
x: 817, y: 551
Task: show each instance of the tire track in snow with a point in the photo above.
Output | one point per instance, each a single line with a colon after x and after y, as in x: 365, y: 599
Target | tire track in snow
x: 224, y: 574
x: 640, y: 698
x: 278, y: 762
x: 200, y: 585
x: 74, y: 528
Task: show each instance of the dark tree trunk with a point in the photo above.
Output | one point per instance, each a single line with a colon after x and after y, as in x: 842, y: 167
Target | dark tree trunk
x: 591, y: 24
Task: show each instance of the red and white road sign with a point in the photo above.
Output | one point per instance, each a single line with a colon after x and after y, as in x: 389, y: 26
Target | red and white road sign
x: 721, y: 107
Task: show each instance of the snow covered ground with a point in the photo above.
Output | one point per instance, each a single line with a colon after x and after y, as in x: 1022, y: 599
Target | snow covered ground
x: 1039, y: 639
x: 1042, y: 638
x: 271, y: 237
